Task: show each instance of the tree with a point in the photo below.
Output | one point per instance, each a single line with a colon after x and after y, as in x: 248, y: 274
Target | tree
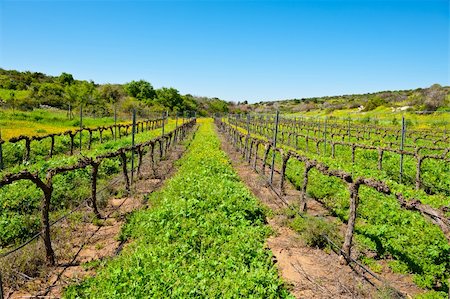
x: 170, y: 98
x: 140, y: 90
x: 51, y: 94
x: 111, y: 93
x: 71, y: 96
x: 434, y: 97
x: 65, y: 79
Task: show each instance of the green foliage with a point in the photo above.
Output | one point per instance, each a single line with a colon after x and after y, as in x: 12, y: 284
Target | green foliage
x: 65, y: 79
x: 50, y: 94
x: 112, y: 92
x: 373, y: 264
x: 432, y: 295
x: 313, y: 229
x: 203, y: 237
x: 140, y: 90
x: 170, y: 98
x: 26, y: 91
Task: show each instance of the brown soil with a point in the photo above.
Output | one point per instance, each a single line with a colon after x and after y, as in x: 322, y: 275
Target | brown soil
x: 309, y: 272
x: 80, y: 241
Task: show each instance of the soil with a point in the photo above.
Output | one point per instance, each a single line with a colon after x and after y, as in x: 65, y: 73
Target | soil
x: 309, y: 272
x: 80, y: 244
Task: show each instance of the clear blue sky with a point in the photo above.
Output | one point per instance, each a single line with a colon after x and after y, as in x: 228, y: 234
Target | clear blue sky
x: 235, y: 50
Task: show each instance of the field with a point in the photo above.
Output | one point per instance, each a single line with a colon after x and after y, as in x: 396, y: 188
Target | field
x: 204, y: 233
x: 190, y: 243
x: 385, y: 229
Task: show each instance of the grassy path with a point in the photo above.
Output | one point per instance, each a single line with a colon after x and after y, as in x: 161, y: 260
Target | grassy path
x: 203, y: 237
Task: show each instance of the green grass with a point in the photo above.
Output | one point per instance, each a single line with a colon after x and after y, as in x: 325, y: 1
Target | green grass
x: 203, y: 237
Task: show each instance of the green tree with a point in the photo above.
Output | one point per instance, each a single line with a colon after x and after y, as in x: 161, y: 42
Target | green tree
x: 51, y: 94
x: 65, y: 79
x: 71, y: 95
x: 112, y: 93
x: 140, y: 90
x: 170, y: 98
x: 91, y: 100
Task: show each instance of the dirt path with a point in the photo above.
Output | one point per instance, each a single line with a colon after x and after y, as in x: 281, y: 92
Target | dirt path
x: 82, y: 244
x: 310, y: 272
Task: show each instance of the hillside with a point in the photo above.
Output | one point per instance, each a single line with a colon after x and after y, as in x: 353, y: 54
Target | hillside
x: 29, y: 90
x: 434, y: 98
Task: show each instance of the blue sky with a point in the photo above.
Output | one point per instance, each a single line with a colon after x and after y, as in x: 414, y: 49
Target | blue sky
x: 235, y: 50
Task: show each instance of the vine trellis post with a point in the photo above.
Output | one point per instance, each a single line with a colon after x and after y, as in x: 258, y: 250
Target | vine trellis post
x: 402, y: 145
x: 81, y: 126
x: 133, y: 132
x: 274, y: 146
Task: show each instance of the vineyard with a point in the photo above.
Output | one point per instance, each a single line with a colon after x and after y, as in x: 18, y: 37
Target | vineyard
x: 390, y: 188
x: 42, y: 190
x: 202, y: 233
x: 190, y: 244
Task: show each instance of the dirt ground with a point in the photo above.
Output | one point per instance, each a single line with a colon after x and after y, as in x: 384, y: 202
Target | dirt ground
x: 81, y: 244
x: 309, y: 272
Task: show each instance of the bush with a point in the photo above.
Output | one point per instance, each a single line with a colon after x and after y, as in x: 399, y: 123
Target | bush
x: 314, y: 229
x: 374, y: 103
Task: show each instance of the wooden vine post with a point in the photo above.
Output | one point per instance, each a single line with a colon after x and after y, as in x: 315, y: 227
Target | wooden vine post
x: 255, y: 158
x: 81, y: 127
x: 115, y: 121
x: 325, y: 137
x: 176, y: 126
x: 418, y: 167
x: 274, y: 146
x: 52, y: 145
x: 152, y: 157
x: 354, y: 201
x: 140, y: 151
x: 348, y: 129
x: 247, y: 139
x: 133, y: 132
x: 308, y: 167
x: 90, y: 139
x: 123, y: 159
x: 72, y: 137
x: 27, y: 149
x: 266, y: 153
x: 47, y: 189
x: 402, y: 144
x: 163, y: 121
x: 94, y: 173
x: 285, y: 157
x: 380, y: 158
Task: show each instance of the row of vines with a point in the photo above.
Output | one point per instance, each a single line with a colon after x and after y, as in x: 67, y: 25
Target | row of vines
x: 425, y: 167
x: 382, y: 216
x: 30, y: 149
x: 66, y: 184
